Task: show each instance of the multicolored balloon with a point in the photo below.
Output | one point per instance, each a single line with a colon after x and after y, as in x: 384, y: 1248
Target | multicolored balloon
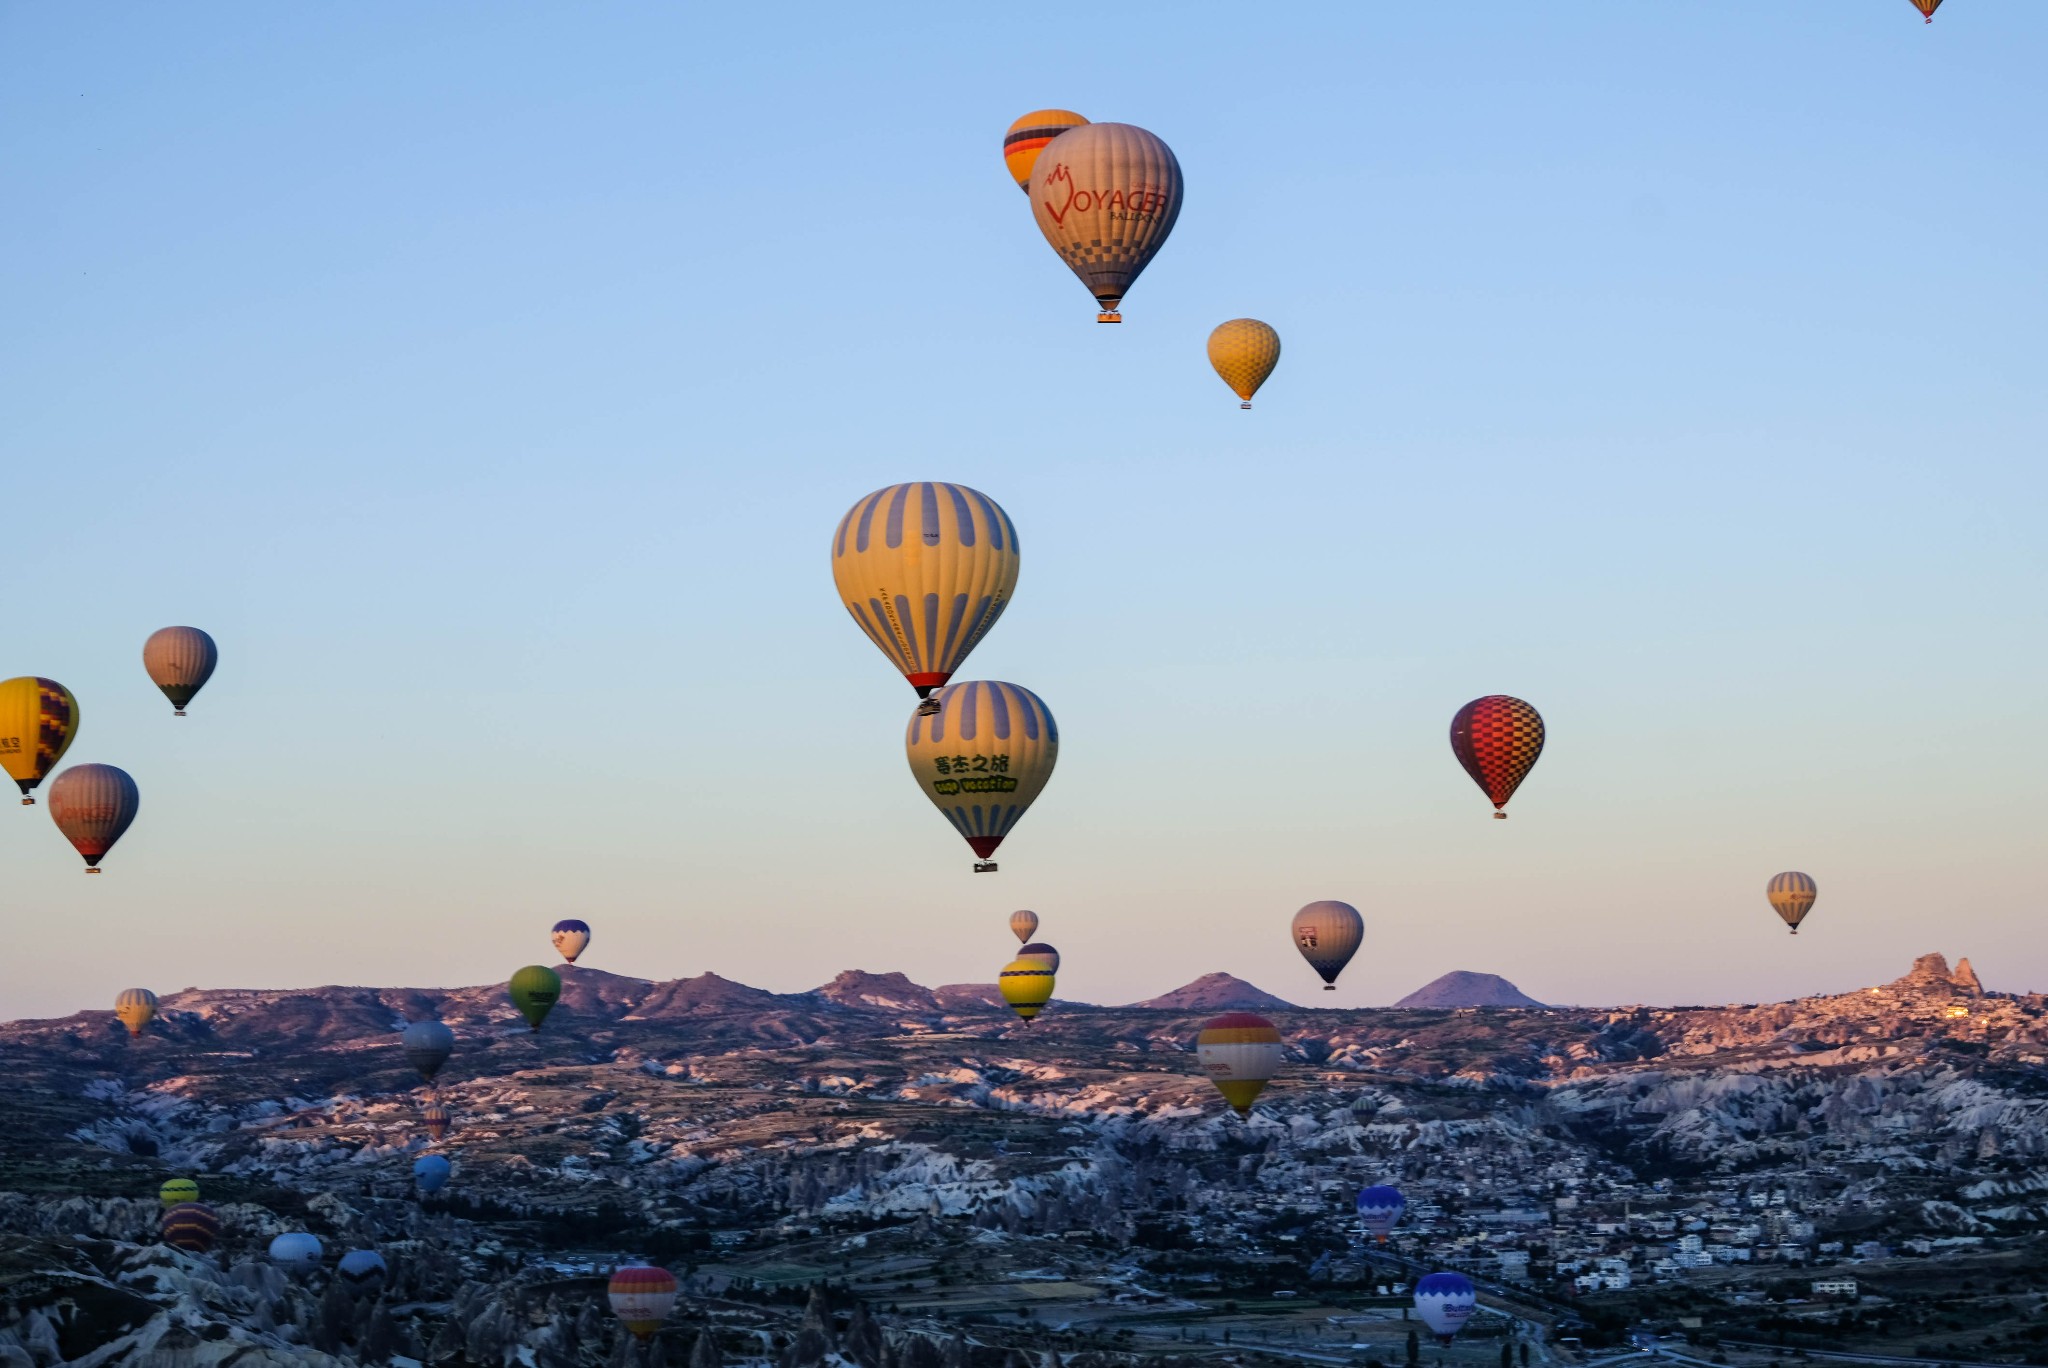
x: 297, y: 1251
x: 179, y: 660
x: 1244, y: 352
x: 1043, y: 953
x: 982, y: 757
x: 641, y: 1297
x: 1792, y: 896
x: 136, y: 1008
x: 1497, y: 739
x: 431, y: 1172
x: 1241, y: 1051
x: 190, y: 1226
x: 1379, y: 1210
x: 1927, y: 8
x: 38, y: 718
x: 1026, y: 138
x: 534, y: 991
x: 427, y: 1045
x: 93, y: 805
x: 1445, y: 1301
x: 1024, y: 925
x: 177, y: 1191
x: 363, y: 1272
x: 1026, y: 984
x: 571, y: 937
x: 925, y: 569
x: 1328, y: 934
x: 434, y: 1117
x: 1106, y: 196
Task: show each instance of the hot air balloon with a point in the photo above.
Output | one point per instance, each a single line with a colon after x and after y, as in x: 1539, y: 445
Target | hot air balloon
x: 1328, y: 934
x: 38, y: 718
x: 642, y: 1296
x: 534, y: 991
x: 925, y: 569
x: 136, y: 1007
x: 571, y: 937
x: 1043, y: 953
x: 1497, y: 740
x: 1244, y: 352
x: 92, y: 805
x: 180, y: 660
x: 1379, y: 1210
x: 431, y: 1172
x: 1026, y: 138
x: 297, y: 1252
x: 1026, y: 984
x: 1792, y: 895
x: 982, y: 758
x: 178, y: 1191
x: 362, y: 1272
x: 190, y: 1226
x: 435, y: 1117
x: 1105, y: 196
x: 1241, y: 1051
x: 1023, y: 925
x: 1927, y: 8
x: 1445, y: 1302
x: 427, y: 1045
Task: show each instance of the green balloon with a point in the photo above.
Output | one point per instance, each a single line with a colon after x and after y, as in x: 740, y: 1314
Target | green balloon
x: 535, y: 990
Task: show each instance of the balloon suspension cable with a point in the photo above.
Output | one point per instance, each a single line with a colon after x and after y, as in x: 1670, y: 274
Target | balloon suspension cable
x: 984, y: 866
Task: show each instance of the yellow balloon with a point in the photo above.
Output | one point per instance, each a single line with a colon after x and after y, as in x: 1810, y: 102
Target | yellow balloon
x: 982, y: 756
x: 1026, y: 138
x: 1240, y: 1051
x: 1026, y: 984
x: 925, y: 569
x: 1244, y: 352
x: 136, y: 1008
x: 38, y: 718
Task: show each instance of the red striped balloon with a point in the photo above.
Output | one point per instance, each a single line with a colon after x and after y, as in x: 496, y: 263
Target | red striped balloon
x: 1497, y: 739
x: 190, y: 1226
x: 642, y: 1297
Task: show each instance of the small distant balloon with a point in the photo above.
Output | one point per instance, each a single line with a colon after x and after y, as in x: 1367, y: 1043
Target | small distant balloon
x: 362, y: 1271
x: 1792, y: 896
x: 982, y: 758
x: 1106, y: 196
x: 1444, y: 1301
x: 434, y: 1117
x: 1026, y: 984
x: 1497, y: 739
x: 1241, y: 1051
x: 1927, y: 8
x: 136, y: 1008
x: 190, y: 1226
x: 38, y: 718
x: 1027, y: 137
x: 297, y: 1251
x: 178, y: 1190
x: 1328, y: 934
x: 427, y: 1045
x: 179, y: 660
x: 1379, y: 1210
x: 641, y: 1297
x: 1024, y: 925
x: 93, y: 805
x: 1043, y: 953
x: 1244, y: 352
x: 431, y: 1172
x: 571, y: 937
x: 534, y: 991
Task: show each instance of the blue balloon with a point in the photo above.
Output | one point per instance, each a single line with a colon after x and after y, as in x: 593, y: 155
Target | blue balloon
x: 1380, y: 1208
x: 1445, y: 1302
x: 431, y: 1172
x: 363, y: 1270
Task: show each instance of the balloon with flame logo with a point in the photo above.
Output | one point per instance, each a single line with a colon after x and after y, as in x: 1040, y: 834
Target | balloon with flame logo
x: 1026, y: 984
x: 176, y: 1191
x: 1043, y: 953
x: 1026, y: 138
x: 1105, y: 195
x: 190, y: 1226
x: 982, y: 758
x: 571, y: 938
x: 38, y: 718
x: 641, y: 1297
x: 1792, y: 896
x: 93, y: 805
x: 1444, y: 1301
x: 1023, y: 925
x: 179, y: 661
x: 1379, y: 1210
x: 925, y: 569
x: 1497, y: 739
x: 1927, y: 8
x: 427, y: 1045
x: 1241, y: 1051
x: 535, y: 990
x: 136, y: 1008
x: 1328, y: 934
x: 1244, y: 352
x: 435, y: 1118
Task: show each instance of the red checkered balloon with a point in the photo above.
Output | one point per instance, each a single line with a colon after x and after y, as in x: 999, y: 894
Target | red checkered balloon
x: 1497, y: 740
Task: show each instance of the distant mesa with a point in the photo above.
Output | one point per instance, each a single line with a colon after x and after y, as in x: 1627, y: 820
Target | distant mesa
x: 1463, y: 988
x: 1218, y: 993
x: 955, y: 997
x: 892, y: 992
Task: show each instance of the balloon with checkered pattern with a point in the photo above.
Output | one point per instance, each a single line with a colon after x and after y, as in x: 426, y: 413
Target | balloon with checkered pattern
x: 1106, y: 196
x: 1497, y: 739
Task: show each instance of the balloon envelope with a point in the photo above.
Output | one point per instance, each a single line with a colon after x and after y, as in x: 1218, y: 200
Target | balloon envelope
x: 1792, y: 896
x: 136, y: 1007
x: 38, y: 718
x: 1444, y: 1301
x: 534, y: 990
x: 1244, y: 352
x: 93, y: 805
x: 296, y: 1251
x: 1497, y: 739
x: 1380, y: 1208
x: 1023, y: 925
x: 1240, y: 1051
x: 1026, y: 984
x: 427, y: 1045
x: 570, y: 936
x: 1027, y: 137
x: 983, y: 757
x: 642, y: 1297
x: 431, y: 1172
x: 925, y: 570
x: 1043, y: 953
x: 1106, y: 196
x: 362, y: 1270
x: 179, y: 660
x: 1328, y: 934
x: 1927, y: 7
x: 190, y: 1226
x: 178, y: 1190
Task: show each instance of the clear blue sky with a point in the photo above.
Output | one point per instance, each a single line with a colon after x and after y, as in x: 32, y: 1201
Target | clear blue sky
x: 488, y: 379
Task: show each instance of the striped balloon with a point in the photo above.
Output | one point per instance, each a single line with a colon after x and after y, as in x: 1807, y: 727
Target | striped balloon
x: 925, y: 569
x: 1497, y: 739
x: 93, y: 805
x: 1105, y: 196
x: 435, y: 1117
x: 1023, y: 925
x: 177, y: 1190
x: 1792, y: 896
x: 641, y: 1297
x: 982, y: 758
x: 190, y: 1226
x: 1043, y: 953
x: 1240, y: 1051
x: 180, y: 660
x: 38, y: 718
x: 1026, y: 138
x: 1244, y: 352
x: 1026, y: 984
x: 1927, y: 7
x: 136, y: 1008
x: 1328, y: 934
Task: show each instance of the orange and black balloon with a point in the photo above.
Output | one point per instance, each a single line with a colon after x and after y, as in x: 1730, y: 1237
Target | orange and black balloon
x: 1927, y: 7
x: 1497, y: 740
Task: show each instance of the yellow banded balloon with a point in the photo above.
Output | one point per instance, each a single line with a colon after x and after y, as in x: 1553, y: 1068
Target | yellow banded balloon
x: 136, y: 1008
x: 982, y: 757
x: 1244, y: 352
x: 1106, y: 196
x: 38, y: 718
x: 925, y: 569
x: 1023, y: 925
x: 1026, y: 984
x: 178, y: 1191
x: 1026, y: 138
x: 1792, y: 896
x: 1240, y: 1051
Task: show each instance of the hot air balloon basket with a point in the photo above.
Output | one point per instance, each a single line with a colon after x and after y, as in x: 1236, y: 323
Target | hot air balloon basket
x: 928, y: 708
x: 1110, y: 317
x: 984, y: 866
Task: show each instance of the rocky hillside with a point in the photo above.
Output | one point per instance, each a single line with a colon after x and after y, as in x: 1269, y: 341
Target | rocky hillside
x: 1462, y: 988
